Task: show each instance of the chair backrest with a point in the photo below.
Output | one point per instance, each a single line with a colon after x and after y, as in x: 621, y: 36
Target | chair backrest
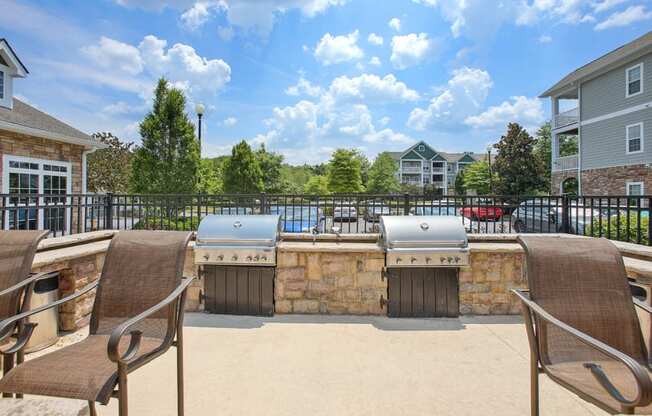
x: 582, y: 282
x: 141, y: 269
x: 17, y: 250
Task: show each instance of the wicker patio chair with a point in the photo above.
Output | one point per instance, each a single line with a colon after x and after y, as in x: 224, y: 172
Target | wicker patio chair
x: 582, y: 327
x: 140, y: 291
x: 17, y: 250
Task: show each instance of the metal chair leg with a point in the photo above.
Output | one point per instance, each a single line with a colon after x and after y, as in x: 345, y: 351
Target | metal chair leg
x: 20, y: 358
x: 91, y: 408
x: 180, y: 401
x: 534, y: 386
x: 7, y: 364
x: 122, y: 391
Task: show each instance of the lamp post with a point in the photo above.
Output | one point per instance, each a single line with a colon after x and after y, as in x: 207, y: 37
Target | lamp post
x: 491, y: 181
x: 199, y: 109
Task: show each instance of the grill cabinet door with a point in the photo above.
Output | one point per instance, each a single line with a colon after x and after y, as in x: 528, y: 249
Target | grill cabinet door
x: 422, y: 292
x: 239, y: 290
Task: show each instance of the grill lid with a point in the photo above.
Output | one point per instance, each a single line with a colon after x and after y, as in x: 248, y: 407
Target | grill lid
x: 422, y: 232
x: 239, y: 230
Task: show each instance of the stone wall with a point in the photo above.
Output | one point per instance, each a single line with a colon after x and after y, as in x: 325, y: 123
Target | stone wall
x: 330, y: 282
x: 612, y: 181
x: 558, y: 177
x: 485, y: 286
x: 28, y: 146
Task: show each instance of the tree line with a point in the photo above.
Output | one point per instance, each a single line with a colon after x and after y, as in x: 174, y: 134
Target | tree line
x: 168, y: 161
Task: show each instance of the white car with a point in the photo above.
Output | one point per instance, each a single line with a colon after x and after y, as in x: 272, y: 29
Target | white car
x: 345, y: 213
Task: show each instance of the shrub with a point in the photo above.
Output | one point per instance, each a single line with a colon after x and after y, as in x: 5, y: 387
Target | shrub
x: 168, y: 224
x: 615, y: 228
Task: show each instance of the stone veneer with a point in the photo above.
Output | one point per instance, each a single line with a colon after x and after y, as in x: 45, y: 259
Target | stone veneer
x: 329, y: 281
x: 17, y: 144
x: 606, y: 181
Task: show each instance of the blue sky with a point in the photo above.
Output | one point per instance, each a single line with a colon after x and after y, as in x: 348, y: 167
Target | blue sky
x: 308, y: 76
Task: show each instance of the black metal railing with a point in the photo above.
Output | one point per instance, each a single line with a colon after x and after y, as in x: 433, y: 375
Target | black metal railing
x: 624, y: 218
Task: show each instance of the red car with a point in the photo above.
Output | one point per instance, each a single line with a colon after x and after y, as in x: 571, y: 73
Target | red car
x: 482, y: 213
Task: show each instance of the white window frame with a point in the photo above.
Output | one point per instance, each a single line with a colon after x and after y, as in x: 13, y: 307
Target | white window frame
x: 627, y: 138
x: 421, y: 148
x: 627, y: 82
x: 6, y: 99
x: 6, y: 170
x: 629, y: 184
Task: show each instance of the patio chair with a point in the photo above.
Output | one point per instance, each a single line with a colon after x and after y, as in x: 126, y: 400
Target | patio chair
x: 140, y: 292
x: 17, y: 250
x: 582, y: 327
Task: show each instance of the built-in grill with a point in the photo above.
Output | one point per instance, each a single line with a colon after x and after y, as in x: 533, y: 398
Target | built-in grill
x: 237, y: 255
x: 423, y: 257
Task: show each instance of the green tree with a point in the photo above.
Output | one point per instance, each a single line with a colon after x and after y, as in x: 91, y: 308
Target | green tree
x: 460, y: 189
x: 383, y: 175
x: 519, y: 172
x: 270, y: 166
x: 109, y: 170
x: 543, y: 150
x: 344, y: 172
x: 242, y: 173
x: 476, y: 176
x: 168, y: 159
x: 294, y: 178
x: 210, y: 178
x: 365, y: 166
x: 316, y: 185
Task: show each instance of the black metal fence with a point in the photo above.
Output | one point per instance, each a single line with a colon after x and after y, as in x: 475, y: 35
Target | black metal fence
x: 624, y: 218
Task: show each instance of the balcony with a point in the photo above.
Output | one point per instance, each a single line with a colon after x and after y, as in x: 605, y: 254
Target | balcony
x: 565, y: 163
x: 567, y: 118
x: 411, y: 169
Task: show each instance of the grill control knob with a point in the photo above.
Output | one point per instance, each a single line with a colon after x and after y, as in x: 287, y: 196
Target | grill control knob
x: 413, y: 260
x: 249, y: 258
x: 257, y: 258
x: 399, y: 260
x: 235, y: 257
x: 206, y: 257
x: 442, y: 259
x: 264, y: 258
x: 428, y: 260
x: 457, y: 259
x: 450, y: 260
x: 220, y: 257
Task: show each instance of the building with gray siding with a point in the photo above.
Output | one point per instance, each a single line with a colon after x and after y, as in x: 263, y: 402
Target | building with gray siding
x: 421, y: 165
x: 606, y: 106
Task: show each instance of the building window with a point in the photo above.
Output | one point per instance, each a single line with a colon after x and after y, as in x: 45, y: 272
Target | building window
x: 634, y: 77
x: 37, y: 191
x: 421, y: 148
x: 635, y: 188
x: 438, y: 165
x: 2, y: 85
x: 634, y: 134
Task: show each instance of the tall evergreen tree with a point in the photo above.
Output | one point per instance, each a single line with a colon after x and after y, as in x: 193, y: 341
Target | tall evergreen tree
x: 270, y: 166
x: 344, y: 172
x: 519, y: 172
x: 168, y: 159
x: 242, y: 173
x: 382, y: 175
x: 109, y: 170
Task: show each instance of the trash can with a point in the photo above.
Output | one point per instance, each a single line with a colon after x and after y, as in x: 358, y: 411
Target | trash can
x: 641, y: 291
x: 45, y: 334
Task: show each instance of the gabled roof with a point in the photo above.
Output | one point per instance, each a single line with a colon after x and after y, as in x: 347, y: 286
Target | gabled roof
x: 21, y: 69
x: 26, y: 119
x: 611, y: 60
x: 431, y: 154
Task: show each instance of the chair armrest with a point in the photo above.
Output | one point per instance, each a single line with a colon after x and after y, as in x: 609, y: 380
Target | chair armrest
x: 4, y: 325
x: 644, y: 395
x: 32, y: 279
x: 134, y: 343
x: 639, y: 304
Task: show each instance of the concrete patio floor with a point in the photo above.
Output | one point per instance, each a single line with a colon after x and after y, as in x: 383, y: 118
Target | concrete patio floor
x: 327, y: 365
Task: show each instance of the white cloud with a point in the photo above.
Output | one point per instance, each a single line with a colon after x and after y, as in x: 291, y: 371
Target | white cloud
x: 604, y: 5
x: 525, y: 111
x: 563, y: 11
x: 384, y: 121
x: 463, y: 96
x: 370, y: 88
x: 410, y: 50
x: 229, y: 121
x: 200, y: 13
x: 225, y: 33
x: 337, y: 49
x: 109, y: 53
x: 121, y: 107
x: 375, y: 61
x: 545, y: 39
x: 395, y: 24
x: 388, y: 135
x: 375, y: 39
x: 630, y: 15
x: 303, y: 86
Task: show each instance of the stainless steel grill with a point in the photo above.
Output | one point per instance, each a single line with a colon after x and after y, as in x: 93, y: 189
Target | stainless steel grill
x: 424, y: 241
x: 240, y: 240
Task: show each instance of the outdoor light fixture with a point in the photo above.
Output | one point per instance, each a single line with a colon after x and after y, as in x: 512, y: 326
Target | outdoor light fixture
x: 199, y: 109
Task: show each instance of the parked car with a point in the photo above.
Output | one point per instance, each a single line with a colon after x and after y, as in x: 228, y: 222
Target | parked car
x: 482, y: 212
x: 298, y: 219
x: 434, y: 210
x: 545, y: 216
x: 345, y: 213
x: 373, y: 212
